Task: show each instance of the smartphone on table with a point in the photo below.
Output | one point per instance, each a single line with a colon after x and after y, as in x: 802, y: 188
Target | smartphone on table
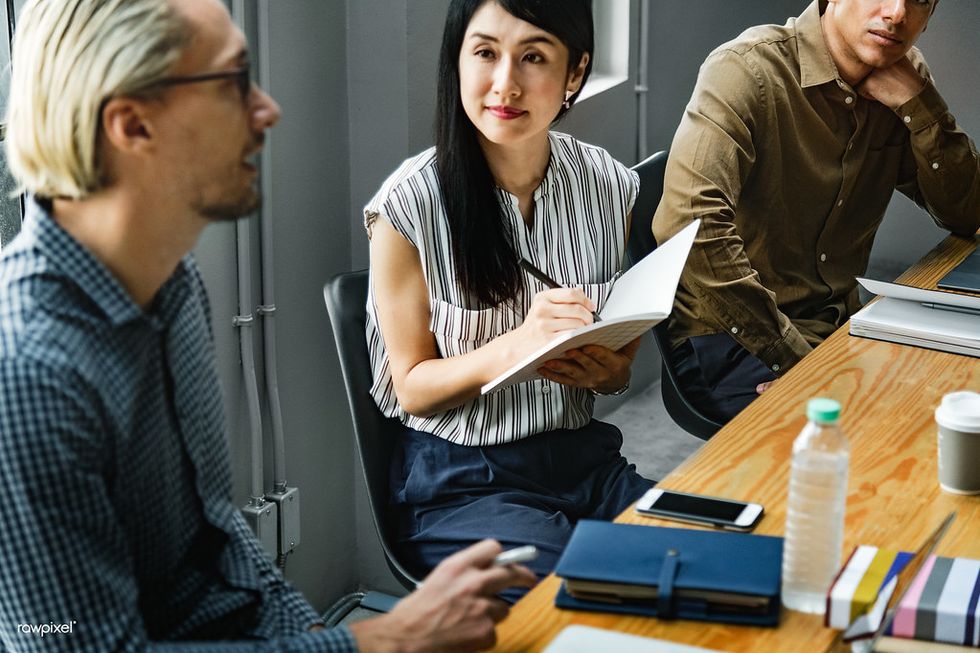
x: 699, y: 509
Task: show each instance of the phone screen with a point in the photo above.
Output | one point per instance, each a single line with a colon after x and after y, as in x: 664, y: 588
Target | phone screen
x: 692, y: 505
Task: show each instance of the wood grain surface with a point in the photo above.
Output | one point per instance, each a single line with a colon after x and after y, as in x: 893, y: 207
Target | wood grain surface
x: 888, y: 394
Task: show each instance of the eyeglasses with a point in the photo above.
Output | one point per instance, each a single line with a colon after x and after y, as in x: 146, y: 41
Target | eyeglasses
x: 242, y: 77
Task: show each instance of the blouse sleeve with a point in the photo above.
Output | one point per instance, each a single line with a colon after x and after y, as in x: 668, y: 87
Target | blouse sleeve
x: 405, y: 196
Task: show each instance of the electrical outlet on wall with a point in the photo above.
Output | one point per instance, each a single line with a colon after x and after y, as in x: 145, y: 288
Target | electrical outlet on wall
x: 263, y: 520
x: 288, y: 528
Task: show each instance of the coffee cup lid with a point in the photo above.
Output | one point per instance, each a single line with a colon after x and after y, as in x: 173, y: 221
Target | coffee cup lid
x: 960, y: 411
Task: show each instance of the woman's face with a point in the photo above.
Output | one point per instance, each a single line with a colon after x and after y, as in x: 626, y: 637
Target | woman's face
x: 513, y: 76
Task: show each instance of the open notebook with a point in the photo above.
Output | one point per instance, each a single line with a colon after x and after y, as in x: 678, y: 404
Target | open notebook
x: 639, y: 299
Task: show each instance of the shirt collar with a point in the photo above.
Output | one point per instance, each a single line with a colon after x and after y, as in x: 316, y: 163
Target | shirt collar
x: 549, y: 177
x: 816, y: 65
x: 71, y: 259
x: 549, y: 173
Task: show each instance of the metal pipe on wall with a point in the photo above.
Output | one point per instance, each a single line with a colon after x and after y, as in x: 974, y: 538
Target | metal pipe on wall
x: 268, y: 308
x: 642, y: 82
x: 245, y: 322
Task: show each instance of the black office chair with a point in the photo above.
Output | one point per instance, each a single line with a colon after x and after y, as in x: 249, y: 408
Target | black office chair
x: 641, y: 243
x: 374, y: 434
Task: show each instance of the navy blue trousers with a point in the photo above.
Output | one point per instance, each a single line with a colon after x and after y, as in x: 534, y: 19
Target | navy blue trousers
x: 718, y: 375
x: 533, y: 491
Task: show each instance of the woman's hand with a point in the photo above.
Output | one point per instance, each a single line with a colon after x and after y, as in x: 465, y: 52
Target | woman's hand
x: 593, y: 367
x: 553, y: 312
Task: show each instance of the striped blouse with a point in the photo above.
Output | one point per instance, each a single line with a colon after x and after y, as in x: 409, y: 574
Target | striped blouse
x: 578, y: 238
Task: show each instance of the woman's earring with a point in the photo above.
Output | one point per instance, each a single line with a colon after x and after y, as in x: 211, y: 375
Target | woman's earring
x: 566, y: 103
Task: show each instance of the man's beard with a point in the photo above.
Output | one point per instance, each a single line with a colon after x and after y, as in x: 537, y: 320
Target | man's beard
x: 232, y: 210
x: 250, y: 200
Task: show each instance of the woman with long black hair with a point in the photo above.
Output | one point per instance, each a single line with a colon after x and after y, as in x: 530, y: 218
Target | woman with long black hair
x: 449, y: 307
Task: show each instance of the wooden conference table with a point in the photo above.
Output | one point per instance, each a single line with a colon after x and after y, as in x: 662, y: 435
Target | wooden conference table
x: 888, y: 394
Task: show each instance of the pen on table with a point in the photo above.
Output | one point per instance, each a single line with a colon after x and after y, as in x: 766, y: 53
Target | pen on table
x: 548, y: 281
x: 516, y: 556
x: 955, y: 309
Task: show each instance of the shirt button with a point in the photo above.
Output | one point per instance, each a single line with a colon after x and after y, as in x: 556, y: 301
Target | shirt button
x: 823, y: 258
x: 545, y: 389
x: 907, y: 119
x: 848, y: 99
x: 735, y: 330
x: 935, y: 166
x: 775, y: 368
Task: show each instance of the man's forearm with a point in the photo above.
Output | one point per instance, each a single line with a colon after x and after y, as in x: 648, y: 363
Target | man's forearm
x: 944, y: 176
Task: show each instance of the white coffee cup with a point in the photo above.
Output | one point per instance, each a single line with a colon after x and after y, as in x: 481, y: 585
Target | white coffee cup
x: 958, y: 421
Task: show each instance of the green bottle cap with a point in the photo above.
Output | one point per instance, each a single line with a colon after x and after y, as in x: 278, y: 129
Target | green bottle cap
x: 822, y: 410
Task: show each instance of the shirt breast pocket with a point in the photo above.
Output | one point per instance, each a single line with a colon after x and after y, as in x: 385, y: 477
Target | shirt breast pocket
x: 460, y: 330
x: 599, y: 292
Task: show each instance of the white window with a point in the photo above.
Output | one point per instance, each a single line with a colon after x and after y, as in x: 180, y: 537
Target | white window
x: 612, y: 46
x: 10, y: 208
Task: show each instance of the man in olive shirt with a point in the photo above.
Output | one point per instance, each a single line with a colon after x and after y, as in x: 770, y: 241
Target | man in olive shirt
x: 789, y: 151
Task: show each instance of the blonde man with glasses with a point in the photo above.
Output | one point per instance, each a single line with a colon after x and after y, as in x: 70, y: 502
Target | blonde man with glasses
x: 789, y: 151
x: 132, y: 125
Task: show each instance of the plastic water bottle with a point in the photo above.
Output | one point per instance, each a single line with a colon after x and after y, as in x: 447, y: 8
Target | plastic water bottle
x: 815, y: 509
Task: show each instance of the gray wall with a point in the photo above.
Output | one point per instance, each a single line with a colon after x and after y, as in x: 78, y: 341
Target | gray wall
x: 309, y: 205
x: 393, y: 53
x: 391, y: 89
x: 683, y: 33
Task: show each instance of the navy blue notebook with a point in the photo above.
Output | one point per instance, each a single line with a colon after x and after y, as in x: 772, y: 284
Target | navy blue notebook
x: 965, y: 276
x: 672, y: 573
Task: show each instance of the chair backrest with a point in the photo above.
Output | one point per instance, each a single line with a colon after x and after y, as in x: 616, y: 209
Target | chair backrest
x: 641, y: 242
x: 651, y: 173
x: 375, y: 435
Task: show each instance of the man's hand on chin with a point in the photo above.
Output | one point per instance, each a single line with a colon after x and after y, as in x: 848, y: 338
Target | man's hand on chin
x: 893, y: 86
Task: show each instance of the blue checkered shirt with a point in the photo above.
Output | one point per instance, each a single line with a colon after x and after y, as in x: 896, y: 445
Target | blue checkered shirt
x: 117, y: 531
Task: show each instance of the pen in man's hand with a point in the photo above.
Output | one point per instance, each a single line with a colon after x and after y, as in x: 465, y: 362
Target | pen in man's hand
x: 548, y: 281
x: 521, y: 554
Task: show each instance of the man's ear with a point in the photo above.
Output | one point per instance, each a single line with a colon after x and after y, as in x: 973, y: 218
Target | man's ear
x: 127, y: 125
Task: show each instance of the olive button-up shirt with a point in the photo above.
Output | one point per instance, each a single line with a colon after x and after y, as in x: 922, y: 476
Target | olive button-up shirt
x: 790, y: 171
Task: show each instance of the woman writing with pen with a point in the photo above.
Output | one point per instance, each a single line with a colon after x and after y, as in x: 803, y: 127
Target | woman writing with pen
x: 451, y: 307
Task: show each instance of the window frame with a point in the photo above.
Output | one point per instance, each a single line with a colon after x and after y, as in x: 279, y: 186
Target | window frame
x: 12, y: 213
x: 612, y: 51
